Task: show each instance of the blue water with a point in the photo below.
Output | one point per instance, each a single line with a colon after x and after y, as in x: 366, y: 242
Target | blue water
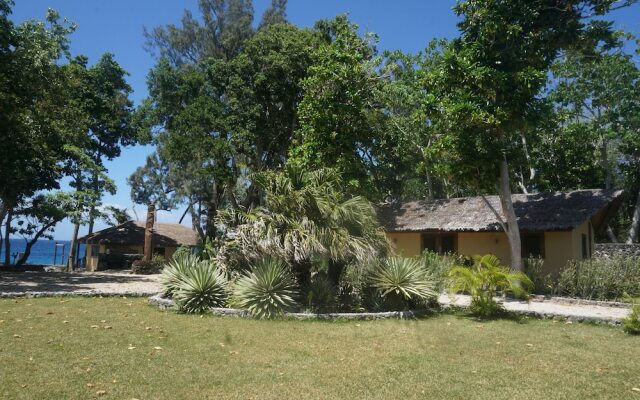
x: 42, y: 252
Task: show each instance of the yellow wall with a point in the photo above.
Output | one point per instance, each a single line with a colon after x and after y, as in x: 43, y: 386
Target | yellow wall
x: 406, y: 244
x: 472, y: 243
x: 559, y: 246
x: 558, y: 249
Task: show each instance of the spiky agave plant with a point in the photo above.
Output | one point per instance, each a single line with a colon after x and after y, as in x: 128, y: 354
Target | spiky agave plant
x: 483, y: 280
x: 268, y: 291
x: 201, y: 287
x: 175, y: 269
x: 401, y: 280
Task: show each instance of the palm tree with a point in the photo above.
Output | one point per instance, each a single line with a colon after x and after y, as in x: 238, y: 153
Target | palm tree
x: 306, y: 217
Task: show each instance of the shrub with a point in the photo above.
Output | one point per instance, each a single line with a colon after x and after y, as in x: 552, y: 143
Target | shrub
x: 402, y: 282
x: 200, y: 287
x: 267, y: 291
x: 543, y: 284
x: 483, y: 280
x: 601, y: 278
x: 142, y: 267
x: 631, y: 324
x: 321, y: 293
x: 438, y: 266
x: 175, y: 269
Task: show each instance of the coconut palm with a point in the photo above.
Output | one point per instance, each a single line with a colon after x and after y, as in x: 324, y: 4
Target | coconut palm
x: 306, y: 217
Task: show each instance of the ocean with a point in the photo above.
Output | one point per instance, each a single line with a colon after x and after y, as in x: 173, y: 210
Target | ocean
x: 44, y: 252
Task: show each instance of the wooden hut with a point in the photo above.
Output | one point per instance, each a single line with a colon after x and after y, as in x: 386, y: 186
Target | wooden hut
x: 117, y: 246
x: 557, y: 226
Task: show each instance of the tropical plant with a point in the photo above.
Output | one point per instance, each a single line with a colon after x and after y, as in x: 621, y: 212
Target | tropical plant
x: 306, y: 217
x: 321, y: 293
x: 402, y: 281
x: 483, y: 280
x: 601, y: 278
x: 631, y: 324
x: 201, y: 287
x: 438, y: 266
x: 268, y: 291
x: 175, y: 269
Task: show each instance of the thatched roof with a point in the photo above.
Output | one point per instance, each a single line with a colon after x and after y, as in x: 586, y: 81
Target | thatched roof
x: 132, y: 233
x: 536, y: 212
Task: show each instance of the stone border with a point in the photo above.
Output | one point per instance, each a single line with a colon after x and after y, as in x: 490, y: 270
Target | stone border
x: 577, y: 301
x: 165, y: 303
x: 86, y: 293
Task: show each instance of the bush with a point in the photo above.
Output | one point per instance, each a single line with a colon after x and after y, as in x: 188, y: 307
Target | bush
x: 142, y: 267
x: 321, y: 294
x: 402, y: 282
x: 268, y: 291
x: 484, y: 280
x: 438, y: 266
x: 175, y: 269
x: 631, y: 324
x: 200, y: 287
x: 542, y: 284
x: 601, y: 278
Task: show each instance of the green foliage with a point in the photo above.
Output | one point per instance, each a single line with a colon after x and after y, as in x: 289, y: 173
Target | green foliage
x: 601, y: 278
x: 306, y: 217
x: 484, y: 280
x: 142, y: 267
x: 543, y: 284
x: 320, y: 293
x: 438, y: 267
x: 631, y: 324
x: 267, y: 291
x: 199, y: 287
x: 176, y: 268
x: 402, y: 282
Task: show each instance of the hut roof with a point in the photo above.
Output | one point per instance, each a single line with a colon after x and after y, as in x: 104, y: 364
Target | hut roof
x: 132, y: 232
x: 535, y: 212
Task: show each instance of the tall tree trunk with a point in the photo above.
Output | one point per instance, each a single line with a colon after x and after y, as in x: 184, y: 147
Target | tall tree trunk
x: 92, y: 210
x: 72, y: 251
x: 512, y: 229
x: 7, y: 243
x: 635, y: 223
x: 148, y: 232
x: 210, y: 227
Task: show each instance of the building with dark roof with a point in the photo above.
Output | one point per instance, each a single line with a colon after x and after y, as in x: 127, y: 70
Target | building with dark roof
x: 118, y: 245
x: 557, y: 226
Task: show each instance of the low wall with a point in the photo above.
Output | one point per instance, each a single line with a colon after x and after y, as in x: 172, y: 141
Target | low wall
x: 606, y: 250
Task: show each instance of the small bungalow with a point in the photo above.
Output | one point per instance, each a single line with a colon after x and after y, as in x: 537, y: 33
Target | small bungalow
x: 557, y: 227
x: 117, y: 246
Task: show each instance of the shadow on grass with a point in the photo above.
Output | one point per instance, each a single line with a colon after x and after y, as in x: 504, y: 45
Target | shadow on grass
x: 464, y: 313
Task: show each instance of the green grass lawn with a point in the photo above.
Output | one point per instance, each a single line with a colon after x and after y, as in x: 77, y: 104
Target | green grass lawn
x: 124, y: 348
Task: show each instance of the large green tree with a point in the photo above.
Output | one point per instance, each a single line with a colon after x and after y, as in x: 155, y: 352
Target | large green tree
x: 492, y: 81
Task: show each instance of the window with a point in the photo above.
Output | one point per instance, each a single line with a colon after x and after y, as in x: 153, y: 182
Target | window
x: 585, y: 251
x: 441, y: 243
x: 532, y: 245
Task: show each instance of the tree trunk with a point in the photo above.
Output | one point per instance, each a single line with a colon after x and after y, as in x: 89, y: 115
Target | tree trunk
x: 611, y: 235
x: 34, y: 240
x: 210, y: 227
x: 635, y: 223
x: 72, y: 251
x: 7, y: 243
x: 512, y: 231
x: 335, y: 271
x: 148, y: 232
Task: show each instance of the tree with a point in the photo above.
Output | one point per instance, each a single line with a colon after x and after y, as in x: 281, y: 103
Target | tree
x: 306, y: 219
x: 336, y: 111
x: 491, y: 84
x: 36, y: 120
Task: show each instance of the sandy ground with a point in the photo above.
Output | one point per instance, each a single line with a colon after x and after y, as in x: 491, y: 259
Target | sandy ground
x: 119, y: 282
x: 572, y: 311
x: 108, y: 282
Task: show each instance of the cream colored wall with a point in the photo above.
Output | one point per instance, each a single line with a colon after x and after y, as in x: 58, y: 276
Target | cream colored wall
x: 405, y: 244
x: 577, y: 240
x: 473, y: 243
x: 558, y: 249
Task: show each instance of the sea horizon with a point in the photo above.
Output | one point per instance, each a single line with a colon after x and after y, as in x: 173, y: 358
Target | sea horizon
x: 43, y: 252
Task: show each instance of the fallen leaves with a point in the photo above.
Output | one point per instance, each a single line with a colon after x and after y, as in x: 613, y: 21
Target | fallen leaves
x: 17, y: 336
x: 131, y: 347
x: 635, y: 389
x: 101, y: 392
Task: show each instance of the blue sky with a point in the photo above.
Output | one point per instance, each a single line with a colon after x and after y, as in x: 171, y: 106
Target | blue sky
x: 116, y: 26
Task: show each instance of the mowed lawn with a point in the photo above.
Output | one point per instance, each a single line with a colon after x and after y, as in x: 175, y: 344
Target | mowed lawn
x: 119, y: 348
